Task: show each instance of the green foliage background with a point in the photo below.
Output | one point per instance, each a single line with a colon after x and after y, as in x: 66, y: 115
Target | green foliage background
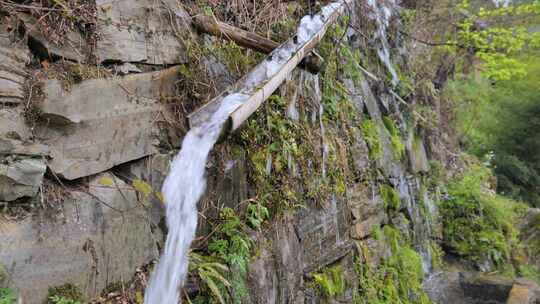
x: 500, y: 123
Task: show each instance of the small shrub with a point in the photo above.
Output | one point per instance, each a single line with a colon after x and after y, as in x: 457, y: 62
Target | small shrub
x: 256, y: 214
x: 478, y: 225
x: 7, y: 296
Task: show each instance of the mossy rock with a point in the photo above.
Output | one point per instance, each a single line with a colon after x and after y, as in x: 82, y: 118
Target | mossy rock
x: 330, y: 282
x: 372, y: 138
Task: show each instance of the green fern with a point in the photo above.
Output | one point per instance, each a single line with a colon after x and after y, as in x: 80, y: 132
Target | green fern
x: 256, y: 214
x: 211, y: 273
x: 231, y: 245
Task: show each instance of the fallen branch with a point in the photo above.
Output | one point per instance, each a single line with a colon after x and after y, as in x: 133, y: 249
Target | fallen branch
x: 312, y: 63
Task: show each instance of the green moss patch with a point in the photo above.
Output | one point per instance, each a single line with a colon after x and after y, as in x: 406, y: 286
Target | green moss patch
x: 395, y: 138
x: 330, y: 282
x: 478, y: 225
x: 390, y: 198
x: 398, y: 279
x: 372, y: 138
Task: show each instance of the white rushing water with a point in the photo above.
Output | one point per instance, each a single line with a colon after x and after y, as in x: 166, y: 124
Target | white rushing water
x: 502, y: 3
x: 382, y: 12
x: 186, y: 181
x: 182, y: 189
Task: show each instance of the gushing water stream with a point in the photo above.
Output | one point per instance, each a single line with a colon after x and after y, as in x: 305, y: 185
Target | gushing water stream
x: 502, y: 3
x: 182, y: 189
x: 382, y: 12
x: 186, y: 182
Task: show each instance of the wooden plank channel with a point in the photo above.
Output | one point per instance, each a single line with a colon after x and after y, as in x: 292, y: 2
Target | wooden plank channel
x: 262, y: 89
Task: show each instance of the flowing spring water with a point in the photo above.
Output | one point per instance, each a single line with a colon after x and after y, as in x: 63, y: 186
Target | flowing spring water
x: 502, y: 3
x: 382, y: 12
x: 186, y: 182
x: 421, y: 211
x: 182, y: 189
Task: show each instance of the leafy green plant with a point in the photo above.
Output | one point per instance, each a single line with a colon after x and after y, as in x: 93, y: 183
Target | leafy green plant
x: 496, y: 41
x: 437, y: 255
x: 330, y: 281
x: 7, y: 296
x: 211, y: 273
x: 530, y: 272
x: 233, y: 246
x: 478, y: 225
x: 256, y: 214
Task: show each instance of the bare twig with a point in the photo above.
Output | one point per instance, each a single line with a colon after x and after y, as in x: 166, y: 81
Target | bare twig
x: 12, y: 4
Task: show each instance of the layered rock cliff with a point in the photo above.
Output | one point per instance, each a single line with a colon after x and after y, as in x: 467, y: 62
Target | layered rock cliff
x: 327, y: 194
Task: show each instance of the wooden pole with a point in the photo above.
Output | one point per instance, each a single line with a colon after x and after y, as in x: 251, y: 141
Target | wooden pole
x: 312, y: 63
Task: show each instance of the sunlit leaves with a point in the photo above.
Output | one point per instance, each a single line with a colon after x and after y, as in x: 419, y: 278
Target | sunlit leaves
x: 496, y: 38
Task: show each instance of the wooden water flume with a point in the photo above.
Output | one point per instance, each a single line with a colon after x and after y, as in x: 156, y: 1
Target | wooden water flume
x: 259, y: 87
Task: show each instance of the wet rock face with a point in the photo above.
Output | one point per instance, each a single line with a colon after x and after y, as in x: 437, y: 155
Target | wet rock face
x: 368, y: 212
x: 324, y: 234
x: 98, y: 238
x: 416, y: 152
x: 298, y: 245
x: 478, y: 288
x: 445, y: 287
